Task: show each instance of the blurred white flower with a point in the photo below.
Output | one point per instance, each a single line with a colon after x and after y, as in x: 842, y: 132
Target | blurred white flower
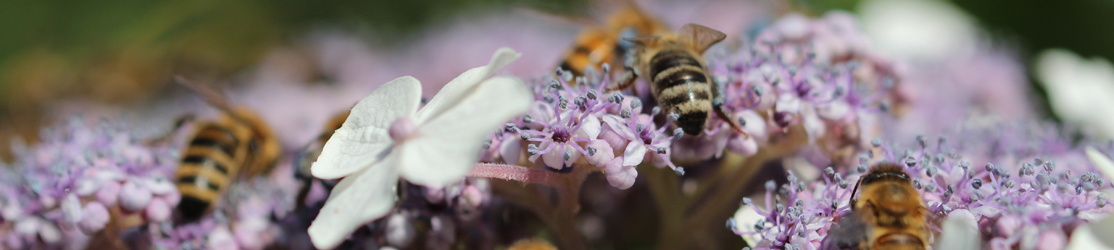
x: 1079, y: 89
x: 918, y: 29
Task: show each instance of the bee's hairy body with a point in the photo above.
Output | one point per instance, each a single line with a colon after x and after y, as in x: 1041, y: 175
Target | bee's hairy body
x: 679, y: 82
x: 892, y: 209
x: 218, y: 153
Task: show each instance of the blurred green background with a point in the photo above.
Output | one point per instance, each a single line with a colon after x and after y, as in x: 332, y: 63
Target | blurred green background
x: 123, y: 51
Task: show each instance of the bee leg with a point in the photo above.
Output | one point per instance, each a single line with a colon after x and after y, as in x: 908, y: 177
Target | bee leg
x: 718, y: 107
x: 626, y: 81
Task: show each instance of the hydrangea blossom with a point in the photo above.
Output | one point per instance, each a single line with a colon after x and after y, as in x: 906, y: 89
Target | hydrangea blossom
x: 1024, y: 188
x: 78, y: 172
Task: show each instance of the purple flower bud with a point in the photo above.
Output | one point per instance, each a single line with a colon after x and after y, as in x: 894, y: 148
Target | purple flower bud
x: 619, y: 176
x: 108, y: 193
x: 93, y: 218
x: 599, y: 153
x: 157, y: 211
x: 134, y: 197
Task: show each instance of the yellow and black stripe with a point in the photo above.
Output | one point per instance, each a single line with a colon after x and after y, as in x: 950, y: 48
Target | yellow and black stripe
x: 209, y: 165
x: 681, y: 86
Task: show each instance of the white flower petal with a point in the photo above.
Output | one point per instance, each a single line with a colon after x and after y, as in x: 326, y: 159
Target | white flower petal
x: 456, y: 91
x: 362, y: 138
x: 445, y: 148
x: 1101, y: 162
x: 1104, y: 230
x: 590, y: 128
x: 355, y: 201
x: 634, y: 153
x: 745, y: 218
x: 959, y: 231
x: 1083, y: 238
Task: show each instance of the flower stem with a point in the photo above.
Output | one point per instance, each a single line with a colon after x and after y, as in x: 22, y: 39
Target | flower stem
x: 517, y: 173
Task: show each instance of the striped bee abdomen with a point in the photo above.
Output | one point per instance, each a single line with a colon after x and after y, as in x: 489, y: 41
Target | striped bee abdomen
x: 208, y: 166
x: 681, y: 86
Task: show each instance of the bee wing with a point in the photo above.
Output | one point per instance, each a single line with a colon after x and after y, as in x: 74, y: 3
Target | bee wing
x: 847, y: 232
x: 444, y: 148
x: 358, y: 199
x: 363, y: 138
x: 701, y: 36
x: 462, y: 86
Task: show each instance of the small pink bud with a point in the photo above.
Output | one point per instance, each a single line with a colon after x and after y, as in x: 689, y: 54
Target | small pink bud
x: 50, y: 233
x: 619, y: 176
x: 250, y: 233
x: 1008, y: 225
x: 221, y: 239
x: 71, y: 208
x: 48, y: 202
x: 603, y: 153
x: 1050, y: 240
x: 171, y: 198
x: 401, y: 128
x: 133, y: 197
x: 400, y: 232
x: 741, y: 146
x: 108, y: 193
x: 435, y: 195
x: 612, y: 138
x: 93, y: 218
x: 157, y: 210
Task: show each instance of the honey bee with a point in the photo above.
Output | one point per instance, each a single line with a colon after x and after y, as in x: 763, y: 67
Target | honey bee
x: 673, y: 64
x: 887, y: 213
x: 604, y: 43
x: 308, y: 155
x: 237, y: 145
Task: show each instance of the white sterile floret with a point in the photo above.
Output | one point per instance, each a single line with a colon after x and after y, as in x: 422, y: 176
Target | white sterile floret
x: 386, y: 137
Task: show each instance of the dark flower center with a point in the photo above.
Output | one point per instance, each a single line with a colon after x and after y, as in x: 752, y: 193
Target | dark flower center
x: 561, y: 134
